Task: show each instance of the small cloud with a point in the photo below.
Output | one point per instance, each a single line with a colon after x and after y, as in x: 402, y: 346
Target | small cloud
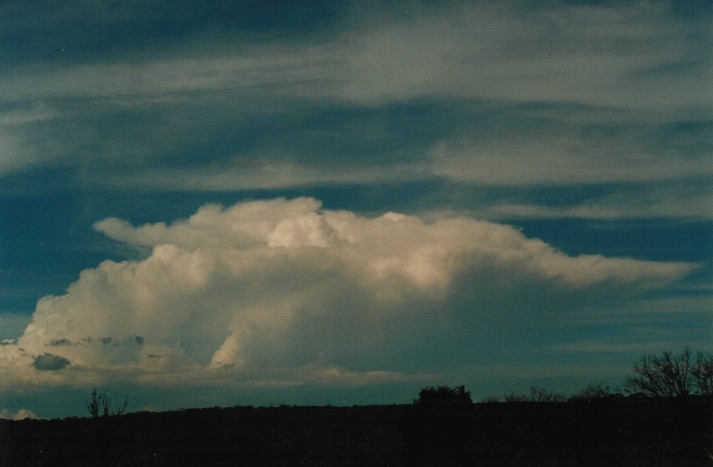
x: 341, y: 376
x: 50, y: 362
x: 22, y: 414
x: 59, y: 342
x: 8, y: 341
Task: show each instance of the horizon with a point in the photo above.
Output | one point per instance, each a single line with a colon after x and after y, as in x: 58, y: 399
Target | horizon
x: 313, y: 203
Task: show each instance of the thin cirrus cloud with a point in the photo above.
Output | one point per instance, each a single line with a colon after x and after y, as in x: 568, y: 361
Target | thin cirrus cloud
x: 587, y: 55
x: 282, y: 292
x: 563, y: 160
x: 641, y: 61
x: 470, y: 51
x: 235, y: 174
x: 692, y: 203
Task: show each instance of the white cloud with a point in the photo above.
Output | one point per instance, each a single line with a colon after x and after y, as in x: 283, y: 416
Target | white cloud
x: 284, y: 291
x: 560, y: 160
x: 21, y: 414
x: 603, y: 56
x: 161, y: 77
x: 261, y: 175
x: 333, y: 375
x: 690, y: 202
x: 574, y: 54
x: 596, y: 55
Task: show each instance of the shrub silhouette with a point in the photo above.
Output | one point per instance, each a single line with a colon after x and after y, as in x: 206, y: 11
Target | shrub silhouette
x: 439, y: 428
x: 596, y: 391
x: 536, y: 394
x: 443, y: 395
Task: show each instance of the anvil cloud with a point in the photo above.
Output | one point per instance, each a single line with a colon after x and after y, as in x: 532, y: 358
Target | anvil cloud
x: 281, y: 285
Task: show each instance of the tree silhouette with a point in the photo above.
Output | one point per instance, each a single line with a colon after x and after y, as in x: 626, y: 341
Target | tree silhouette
x: 100, y: 404
x: 703, y: 373
x: 596, y: 391
x: 664, y: 375
x: 443, y: 395
x: 537, y: 394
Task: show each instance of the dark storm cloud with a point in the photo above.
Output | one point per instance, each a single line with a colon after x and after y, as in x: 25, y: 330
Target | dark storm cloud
x: 50, y: 362
x: 59, y: 342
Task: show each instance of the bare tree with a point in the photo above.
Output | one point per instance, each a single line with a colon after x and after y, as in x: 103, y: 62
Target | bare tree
x: 100, y: 404
x: 490, y: 399
x: 94, y: 403
x: 538, y: 394
x: 515, y: 397
x: 664, y: 375
x: 703, y: 373
x: 596, y: 391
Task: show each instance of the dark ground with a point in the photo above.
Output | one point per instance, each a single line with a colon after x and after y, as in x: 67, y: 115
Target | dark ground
x: 606, y: 432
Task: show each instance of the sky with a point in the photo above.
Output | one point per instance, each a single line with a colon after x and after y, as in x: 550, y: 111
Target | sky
x: 308, y: 202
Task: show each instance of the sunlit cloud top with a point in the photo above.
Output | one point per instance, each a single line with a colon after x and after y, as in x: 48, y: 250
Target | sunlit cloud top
x: 282, y: 285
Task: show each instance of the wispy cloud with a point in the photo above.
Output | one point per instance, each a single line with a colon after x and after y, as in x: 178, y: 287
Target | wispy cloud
x: 126, y: 83
x: 559, y: 160
x: 654, y: 201
x: 591, y: 56
x: 615, y: 55
x: 246, y: 174
x: 574, y: 53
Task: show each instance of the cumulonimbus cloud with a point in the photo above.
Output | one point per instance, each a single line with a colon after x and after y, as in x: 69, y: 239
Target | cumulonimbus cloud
x: 277, y: 285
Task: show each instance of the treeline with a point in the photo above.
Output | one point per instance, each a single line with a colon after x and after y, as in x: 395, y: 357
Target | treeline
x: 607, y: 431
x: 627, y: 431
x: 663, y: 375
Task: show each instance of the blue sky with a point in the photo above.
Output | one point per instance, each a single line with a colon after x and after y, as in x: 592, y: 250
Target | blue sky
x: 274, y: 202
